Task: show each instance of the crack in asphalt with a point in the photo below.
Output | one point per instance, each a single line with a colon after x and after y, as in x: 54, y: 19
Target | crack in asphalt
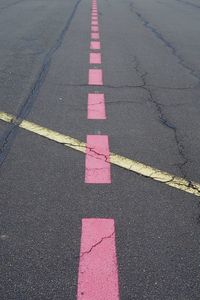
x: 11, y: 131
x: 163, y: 119
x: 188, y: 3
x: 99, y: 86
x: 97, y: 244
x: 10, y: 5
x: 128, y: 86
x: 167, y: 43
x: 124, y: 102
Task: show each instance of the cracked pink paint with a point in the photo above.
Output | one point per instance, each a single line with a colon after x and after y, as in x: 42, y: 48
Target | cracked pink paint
x: 97, y: 163
x: 96, y: 107
x: 98, y: 271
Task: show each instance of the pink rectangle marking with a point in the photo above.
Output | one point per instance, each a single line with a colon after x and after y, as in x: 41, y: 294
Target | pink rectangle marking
x: 95, y: 18
x: 97, y: 164
x: 96, y: 107
x: 95, y: 36
x: 95, y: 58
x: 98, y: 270
x: 95, y: 28
x: 95, y: 45
x: 95, y: 23
x: 95, y: 77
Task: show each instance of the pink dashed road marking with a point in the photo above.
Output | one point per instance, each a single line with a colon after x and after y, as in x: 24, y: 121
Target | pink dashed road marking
x: 95, y: 23
x: 94, y: 28
x: 94, y: 18
x: 95, y: 58
x: 95, y: 45
x: 94, y: 35
x: 95, y: 77
x: 98, y: 271
x: 96, y: 107
x: 97, y: 164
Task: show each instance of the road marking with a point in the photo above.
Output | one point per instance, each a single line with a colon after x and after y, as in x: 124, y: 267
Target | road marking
x: 95, y: 58
x: 95, y: 35
x: 95, y: 45
x: 96, y: 106
x: 118, y: 160
x: 95, y: 77
x: 94, y: 28
x: 97, y: 161
x: 98, y: 271
x: 94, y: 18
x: 94, y: 23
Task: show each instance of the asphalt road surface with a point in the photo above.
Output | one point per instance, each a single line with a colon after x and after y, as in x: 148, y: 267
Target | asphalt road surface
x: 56, y: 214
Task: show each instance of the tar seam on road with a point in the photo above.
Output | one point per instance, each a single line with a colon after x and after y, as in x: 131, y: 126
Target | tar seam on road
x: 11, y: 132
x: 118, y: 160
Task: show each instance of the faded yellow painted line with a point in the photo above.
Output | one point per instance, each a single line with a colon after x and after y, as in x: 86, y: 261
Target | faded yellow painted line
x: 45, y: 132
x: 118, y: 160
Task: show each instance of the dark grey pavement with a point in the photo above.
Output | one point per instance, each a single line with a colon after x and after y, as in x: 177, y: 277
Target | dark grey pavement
x: 151, y: 67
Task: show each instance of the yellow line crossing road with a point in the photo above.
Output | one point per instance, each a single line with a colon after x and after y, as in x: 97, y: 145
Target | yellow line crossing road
x: 118, y: 160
